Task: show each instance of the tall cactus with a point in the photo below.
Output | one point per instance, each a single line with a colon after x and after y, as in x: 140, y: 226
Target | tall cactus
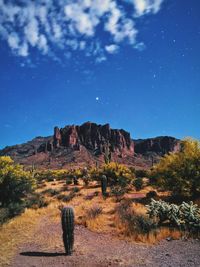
x: 67, y: 217
x: 103, y: 185
x: 107, y: 154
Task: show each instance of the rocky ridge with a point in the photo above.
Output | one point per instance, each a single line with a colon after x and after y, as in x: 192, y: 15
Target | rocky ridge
x: 86, y: 145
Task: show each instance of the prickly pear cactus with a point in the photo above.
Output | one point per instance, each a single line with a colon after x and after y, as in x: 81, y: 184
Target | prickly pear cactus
x: 67, y: 218
x: 103, y: 185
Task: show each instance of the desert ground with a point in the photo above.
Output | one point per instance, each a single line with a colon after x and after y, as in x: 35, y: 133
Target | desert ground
x: 35, y: 237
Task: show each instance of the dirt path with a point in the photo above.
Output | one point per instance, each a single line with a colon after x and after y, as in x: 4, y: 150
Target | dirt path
x: 101, y: 250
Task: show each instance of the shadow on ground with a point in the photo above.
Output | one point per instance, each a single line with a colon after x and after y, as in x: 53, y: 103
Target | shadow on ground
x: 41, y: 254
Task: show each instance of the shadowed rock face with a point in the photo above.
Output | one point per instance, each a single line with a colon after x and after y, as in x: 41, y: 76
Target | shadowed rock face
x: 160, y: 145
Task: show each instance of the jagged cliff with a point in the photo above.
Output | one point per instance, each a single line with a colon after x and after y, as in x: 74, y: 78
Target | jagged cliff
x: 86, y: 145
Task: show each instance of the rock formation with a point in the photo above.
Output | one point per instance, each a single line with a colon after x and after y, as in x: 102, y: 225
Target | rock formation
x: 94, y: 137
x: 160, y: 145
x: 86, y: 145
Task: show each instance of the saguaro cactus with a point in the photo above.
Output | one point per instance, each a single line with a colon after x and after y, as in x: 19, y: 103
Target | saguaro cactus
x: 67, y: 217
x: 107, y: 154
x: 103, y: 185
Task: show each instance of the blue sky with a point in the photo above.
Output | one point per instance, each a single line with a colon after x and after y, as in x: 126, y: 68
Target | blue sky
x: 134, y: 64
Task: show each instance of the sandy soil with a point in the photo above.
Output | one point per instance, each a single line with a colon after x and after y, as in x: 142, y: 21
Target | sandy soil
x: 101, y: 250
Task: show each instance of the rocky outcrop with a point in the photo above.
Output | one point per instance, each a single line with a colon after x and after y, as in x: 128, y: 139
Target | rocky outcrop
x: 159, y: 145
x: 56, y: 137
x: 85, y: 145
x: 94, y: 137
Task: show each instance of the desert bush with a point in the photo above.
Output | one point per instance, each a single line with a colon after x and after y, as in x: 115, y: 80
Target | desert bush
x: 86, y: 176
x: 117, y: 174
x: 15, y: 209
x: 51, y: 192
x: 180, y: 172
x: 134, y: 223
x: 91, y: 195
x: 15, y: 183
x: 11, y: 210
x: 75, y: 189
x: 138, y: 183
x: 36, y: 201
x: 68, y: 197
x: 94, y: 211
x: 51, y: 175
x: 118, y: 191
x: 94, y: 173
x: 4, y: 215
x: 68, y: 181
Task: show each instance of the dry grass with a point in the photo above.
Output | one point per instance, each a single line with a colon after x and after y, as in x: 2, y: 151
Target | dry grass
x: 127, y: 230
x: 23, y: 228
x: 151, y: 238
x: 108, y: 221
x: 15, y: 232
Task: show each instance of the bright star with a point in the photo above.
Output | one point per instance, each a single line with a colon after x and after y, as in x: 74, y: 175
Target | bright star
x: 97, y: 98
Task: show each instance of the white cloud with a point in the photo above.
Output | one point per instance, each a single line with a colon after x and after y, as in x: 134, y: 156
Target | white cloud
x: 23, y: 50
x: 13, y: 41
x: 31, y: 32
x: 112, y: 49
x: 146, y: 6
x: 70, y: 26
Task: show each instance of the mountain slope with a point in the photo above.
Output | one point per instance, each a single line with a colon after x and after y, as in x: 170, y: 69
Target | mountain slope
x: 86, y: 145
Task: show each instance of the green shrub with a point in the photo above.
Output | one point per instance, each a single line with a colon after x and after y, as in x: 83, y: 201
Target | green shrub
x: 15, y: 183
x: 117, y: 174
x: 180, y: 172
x: 4, y: 215
x: 16, y: 209
x: 75, y: 189
x: 12, y: 210
x: 51, y: 175
x: 69, y: 181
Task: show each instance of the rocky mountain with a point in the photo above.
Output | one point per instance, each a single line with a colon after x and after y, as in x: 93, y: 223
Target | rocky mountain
x: 158, y: 145
x: 86, y: 145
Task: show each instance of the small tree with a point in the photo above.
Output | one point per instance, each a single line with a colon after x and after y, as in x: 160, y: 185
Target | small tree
x: 15, y: 183
x: 180, y: 172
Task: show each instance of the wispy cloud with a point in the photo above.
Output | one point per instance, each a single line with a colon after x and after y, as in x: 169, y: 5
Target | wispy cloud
x: 96, y: 27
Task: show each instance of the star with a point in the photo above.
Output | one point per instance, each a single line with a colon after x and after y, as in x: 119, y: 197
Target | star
x: 97, y: 98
